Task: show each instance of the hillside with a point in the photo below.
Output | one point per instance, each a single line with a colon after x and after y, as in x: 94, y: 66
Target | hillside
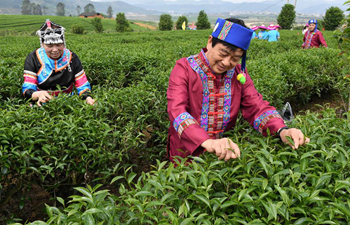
x: 29, y: 23
x: 156, y: 7
x: 14, y: 6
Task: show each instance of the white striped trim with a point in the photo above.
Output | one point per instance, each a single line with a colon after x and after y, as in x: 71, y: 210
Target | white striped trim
x: 80, y: 73
x: 29, y: 75
x: 81, y: 76
x: 29, y: 72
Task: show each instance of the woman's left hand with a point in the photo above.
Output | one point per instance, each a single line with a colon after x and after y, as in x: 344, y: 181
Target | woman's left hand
x: 296, y: 135
x: 90, y: 101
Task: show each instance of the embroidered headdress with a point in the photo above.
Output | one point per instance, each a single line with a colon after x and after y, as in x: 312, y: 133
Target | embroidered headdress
x: 51, y: 33
x: 236, y: 35
x: 313, y: 21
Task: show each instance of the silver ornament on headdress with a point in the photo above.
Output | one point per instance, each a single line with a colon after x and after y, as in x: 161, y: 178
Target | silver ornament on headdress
x: 51, y: 33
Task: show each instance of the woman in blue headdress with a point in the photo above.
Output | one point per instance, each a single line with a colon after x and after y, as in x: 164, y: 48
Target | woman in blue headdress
x: 53, y: 69
x: 313, y: 38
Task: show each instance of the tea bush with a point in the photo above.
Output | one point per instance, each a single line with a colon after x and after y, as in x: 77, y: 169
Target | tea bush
x: 78, y: 29
x: 268, y: 184
x: 60, y: 142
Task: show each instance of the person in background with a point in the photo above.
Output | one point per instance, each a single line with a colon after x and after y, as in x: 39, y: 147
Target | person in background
x: 305, y: 28
x: 313, y: 38
x: 273, y: 34
x: 254, y: 35
x: 271, y: 27
x: 262, y: 35
x: 53, y: 69
x: 207, y: 91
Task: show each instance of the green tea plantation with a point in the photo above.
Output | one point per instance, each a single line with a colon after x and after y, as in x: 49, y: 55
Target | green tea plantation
x: 107, y: 164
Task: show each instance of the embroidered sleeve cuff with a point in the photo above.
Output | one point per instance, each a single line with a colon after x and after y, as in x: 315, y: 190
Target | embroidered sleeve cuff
x: 183, y: 121
x: 261, y: 121
x: 28, y: 93
x: 85, y: 93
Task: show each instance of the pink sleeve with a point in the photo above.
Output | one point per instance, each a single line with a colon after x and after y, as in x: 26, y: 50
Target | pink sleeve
x: 257, y: 111
x: 191, y: 134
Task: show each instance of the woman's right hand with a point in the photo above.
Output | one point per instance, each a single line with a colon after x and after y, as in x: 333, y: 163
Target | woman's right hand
x: 223, y: 148
x: 41, y: 97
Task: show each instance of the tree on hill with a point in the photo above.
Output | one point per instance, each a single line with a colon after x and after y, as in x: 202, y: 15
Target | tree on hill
x: 202, y: 21
x: 180, y: 21
x: 286, y: 18
x: 96, y: 22
x: 44, y: 9
x: 37, y: 10
x: 60, y: 11
x: 110, y: 12
x: 165, y: 22
x: 333, y: 17
x: 78, y: 9
x: 89, y: 8
x: 26, y: 7
x: 122, y: 23
x: 32, y: 8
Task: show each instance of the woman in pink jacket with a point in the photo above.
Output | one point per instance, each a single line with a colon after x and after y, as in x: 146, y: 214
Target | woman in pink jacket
x: 206, y: 92
x: 313, y: 38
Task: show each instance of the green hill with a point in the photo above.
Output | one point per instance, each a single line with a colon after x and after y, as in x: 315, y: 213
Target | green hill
x: 29, y: 24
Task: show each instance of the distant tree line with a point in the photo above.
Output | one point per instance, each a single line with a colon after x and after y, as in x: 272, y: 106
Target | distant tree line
x: 29, y: 8
x: 332, y: 19
x: 285, y: 19
x: 166, y: 22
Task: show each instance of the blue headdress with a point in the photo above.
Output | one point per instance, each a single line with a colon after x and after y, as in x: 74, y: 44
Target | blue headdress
x: 315, y: 22
x: 236, y: 35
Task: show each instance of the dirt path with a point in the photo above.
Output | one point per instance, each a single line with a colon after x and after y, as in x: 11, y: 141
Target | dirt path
x: 146, y: 25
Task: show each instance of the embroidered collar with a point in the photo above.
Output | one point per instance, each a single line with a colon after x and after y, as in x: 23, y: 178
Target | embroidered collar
x: 49, y: 65
x: 53, y: 64
x: 309, y: 39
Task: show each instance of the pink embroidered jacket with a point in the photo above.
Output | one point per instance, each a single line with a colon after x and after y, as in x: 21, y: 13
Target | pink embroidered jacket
x: 202, y: 105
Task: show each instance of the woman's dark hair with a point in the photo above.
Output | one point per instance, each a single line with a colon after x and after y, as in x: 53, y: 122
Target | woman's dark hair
x: 230, y: 46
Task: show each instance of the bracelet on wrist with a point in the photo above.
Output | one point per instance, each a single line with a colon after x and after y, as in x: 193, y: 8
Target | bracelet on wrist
x: 280, y: 130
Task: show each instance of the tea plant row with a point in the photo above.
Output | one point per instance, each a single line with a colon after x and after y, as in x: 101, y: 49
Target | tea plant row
x: 269, y: 184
